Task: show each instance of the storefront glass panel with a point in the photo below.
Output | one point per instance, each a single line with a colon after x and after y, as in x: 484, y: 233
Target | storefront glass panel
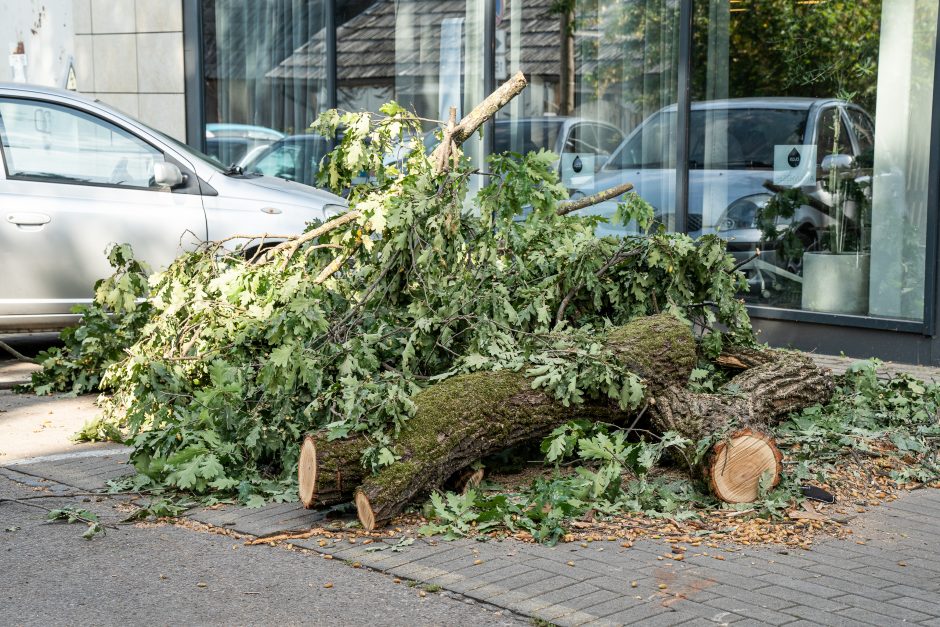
x: 427, y: 55
x: 810, y: 129
x: 265, y: 80
x: 602, y: 86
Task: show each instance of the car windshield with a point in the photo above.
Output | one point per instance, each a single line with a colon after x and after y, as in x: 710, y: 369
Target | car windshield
x: 524, y: 136
x: 737, y: 139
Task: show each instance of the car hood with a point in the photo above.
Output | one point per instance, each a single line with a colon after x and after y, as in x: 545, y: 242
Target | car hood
x: 269, y: 189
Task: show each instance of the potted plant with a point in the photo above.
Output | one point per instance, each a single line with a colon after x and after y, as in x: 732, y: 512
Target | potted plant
x: 832, y: 251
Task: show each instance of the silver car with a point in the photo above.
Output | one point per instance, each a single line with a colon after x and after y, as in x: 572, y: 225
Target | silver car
x: 79, y: 176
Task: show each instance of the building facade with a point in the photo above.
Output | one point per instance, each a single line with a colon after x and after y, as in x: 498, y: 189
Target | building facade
x: 806, y: 130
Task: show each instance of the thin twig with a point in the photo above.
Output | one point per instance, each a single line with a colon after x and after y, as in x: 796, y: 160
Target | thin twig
x: 293, y: 244
x: 16, y: 354
x: 746, y: 261
x: 573, y: 205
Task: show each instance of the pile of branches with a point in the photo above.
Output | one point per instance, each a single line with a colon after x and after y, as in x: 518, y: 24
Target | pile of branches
x: 337, y: 331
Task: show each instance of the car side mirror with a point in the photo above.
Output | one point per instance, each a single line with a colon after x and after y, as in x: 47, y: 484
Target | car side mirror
x: 167, y: 174
x: 837, y: 162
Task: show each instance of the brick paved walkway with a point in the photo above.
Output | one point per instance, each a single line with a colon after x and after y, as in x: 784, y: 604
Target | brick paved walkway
x: 888, y: 573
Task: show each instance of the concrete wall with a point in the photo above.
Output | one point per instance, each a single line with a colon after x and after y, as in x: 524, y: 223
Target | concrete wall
x: 129, y: 54
x: 36, y: 37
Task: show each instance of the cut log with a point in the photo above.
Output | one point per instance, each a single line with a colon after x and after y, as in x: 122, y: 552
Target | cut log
x: 328, y: 471
x: 466, y: 418
x: 463, y: 419
x: 757, y: 397
x: 737, y: 464
x: 459, y: 421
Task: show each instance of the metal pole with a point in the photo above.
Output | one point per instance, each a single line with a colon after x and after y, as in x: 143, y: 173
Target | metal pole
x: 931, y: 271
x: 331, y: 57
x: 489, y: 70
x: 194, y: 72
x: 683, y: 116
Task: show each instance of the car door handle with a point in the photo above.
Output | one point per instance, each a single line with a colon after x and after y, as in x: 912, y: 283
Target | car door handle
x: 28, y: 219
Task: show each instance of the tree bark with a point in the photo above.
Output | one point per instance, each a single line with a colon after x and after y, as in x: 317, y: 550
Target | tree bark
x: 466, y: 418
x: 329, y: 470
x: 458, y: 422
x: 758, y: 397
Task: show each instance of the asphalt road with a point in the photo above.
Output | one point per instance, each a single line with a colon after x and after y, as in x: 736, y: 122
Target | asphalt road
x: 161, y: 575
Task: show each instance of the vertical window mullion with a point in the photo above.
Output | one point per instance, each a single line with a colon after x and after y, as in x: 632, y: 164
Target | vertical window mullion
x: 683, y: 116
x: 932, y: 272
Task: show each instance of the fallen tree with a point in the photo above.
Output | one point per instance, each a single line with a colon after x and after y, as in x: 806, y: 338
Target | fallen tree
x: 349, y: 331
x: 466, y: 418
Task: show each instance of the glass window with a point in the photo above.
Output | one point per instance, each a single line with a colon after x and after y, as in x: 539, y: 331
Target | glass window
x: 427, y: 55
x: 787, y: 154
x: 832, y: 135
x: 608, y: 69
x: 265, y: 72
x: 524, y: 136
x: 47, y: 142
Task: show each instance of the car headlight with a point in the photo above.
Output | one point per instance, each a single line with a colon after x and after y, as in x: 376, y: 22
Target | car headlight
x: 742, y: 213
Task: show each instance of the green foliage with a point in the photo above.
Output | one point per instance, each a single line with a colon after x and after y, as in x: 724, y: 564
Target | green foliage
x: 237, y: 359
x: 74, y: 514
x: 897, y: 417
x: 109, y: 324
x: 604, y: 457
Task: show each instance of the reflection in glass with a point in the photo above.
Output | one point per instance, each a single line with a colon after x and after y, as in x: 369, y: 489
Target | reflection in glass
x: 265, y: 73
x: 599, y: 71
x: 787, y: 154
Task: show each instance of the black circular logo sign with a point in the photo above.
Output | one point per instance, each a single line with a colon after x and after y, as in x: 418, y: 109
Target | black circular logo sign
x: 577, y: 165
x: 793, y: 158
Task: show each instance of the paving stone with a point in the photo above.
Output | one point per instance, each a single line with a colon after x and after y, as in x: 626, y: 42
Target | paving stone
x: 575, y: 619
x: 867, y: 617
x: 526, y: 607
x: 764, y: 615
x: 832, y: 575
x: 909, y: 604
x: 550, y: 613
x: 587, y: 601
x: 418, y: 572
x: 538, y: 581
x: 798, y: 598
x: 917, y: 590
x: 563, y: 595
x: 623, y: 586
x: 820, y: 616
x: 496, y: 576
x: 754, y: 597
x: 663, y: 617
x: 619, y: 603
x: 811, y: 588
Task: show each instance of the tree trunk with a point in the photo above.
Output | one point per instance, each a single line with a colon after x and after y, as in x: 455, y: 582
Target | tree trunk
x: 738, y: 463
x: 329, y: 470
x: 458, y: 422
x: 466, y: 418
x: 758, y: 397
x: 463, y: 419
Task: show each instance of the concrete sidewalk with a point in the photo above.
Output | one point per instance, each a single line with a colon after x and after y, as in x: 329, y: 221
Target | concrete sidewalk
x: 886, y: 573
